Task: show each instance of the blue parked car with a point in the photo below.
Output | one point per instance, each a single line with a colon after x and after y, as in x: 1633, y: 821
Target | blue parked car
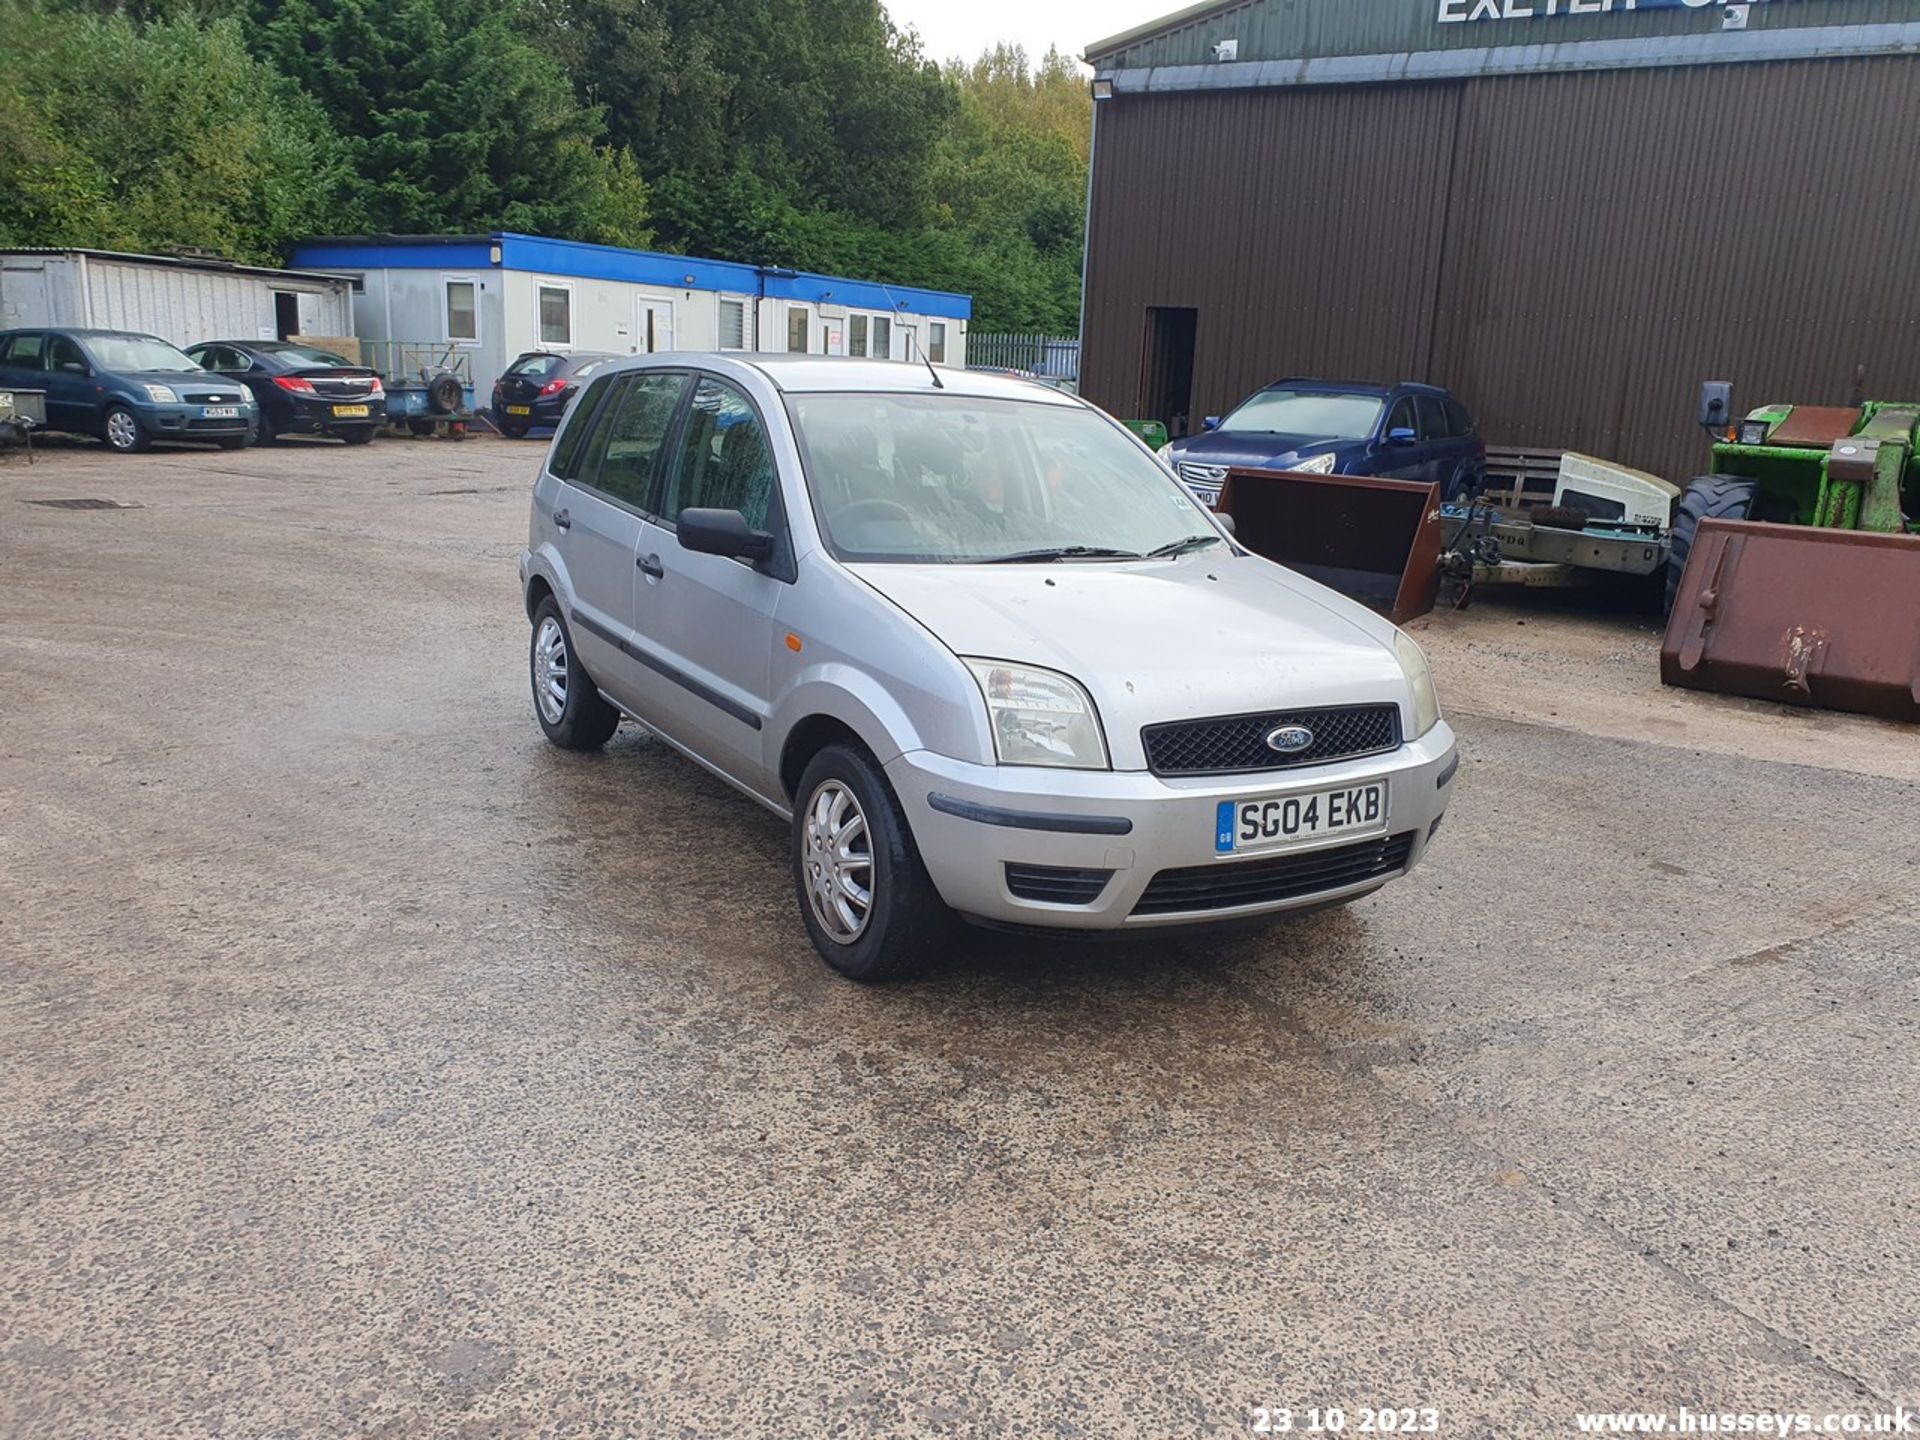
x: 127, y: 389
x: 1401, y: 432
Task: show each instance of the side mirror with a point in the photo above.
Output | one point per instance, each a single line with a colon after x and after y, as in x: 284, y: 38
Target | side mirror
x: 74, y: 367
x: 723, y: 532
x: 1401, y: 435
x: 1212, y: 422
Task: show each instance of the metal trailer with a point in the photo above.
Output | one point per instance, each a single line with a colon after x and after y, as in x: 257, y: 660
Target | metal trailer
x: 1390, y: 543
x: 429, y: 387
x: 21, y: 413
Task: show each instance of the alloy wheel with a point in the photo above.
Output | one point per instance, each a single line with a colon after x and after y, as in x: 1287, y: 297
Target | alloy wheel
x: 550, y: 669
x: 838, y: 855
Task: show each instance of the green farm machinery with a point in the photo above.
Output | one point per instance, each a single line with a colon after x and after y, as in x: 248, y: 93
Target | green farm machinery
x: 1793, y: 573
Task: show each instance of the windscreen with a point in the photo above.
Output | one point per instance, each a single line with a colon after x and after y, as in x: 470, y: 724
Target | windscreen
x: 956, y: 479
x: 1307, y: 412
x: 136, y: 353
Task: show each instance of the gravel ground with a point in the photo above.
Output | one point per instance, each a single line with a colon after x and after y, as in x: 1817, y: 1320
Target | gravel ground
x: 370, y: 1067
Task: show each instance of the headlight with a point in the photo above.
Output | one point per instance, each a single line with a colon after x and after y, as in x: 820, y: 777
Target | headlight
x: 1165, y: 453
x: 161, y: 395
x: 1426, y: 700
x: 1039, y: 717
x: 1318, y: 465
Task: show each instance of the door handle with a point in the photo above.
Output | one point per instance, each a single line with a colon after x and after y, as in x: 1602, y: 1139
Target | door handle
x: 650, y: 567
x: 562, y: 520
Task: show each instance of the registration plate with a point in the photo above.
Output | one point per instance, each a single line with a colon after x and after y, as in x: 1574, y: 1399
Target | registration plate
x: 350, y: 412
x: 219, y: 412
x: 1242, y: 825
x: 519, y: 409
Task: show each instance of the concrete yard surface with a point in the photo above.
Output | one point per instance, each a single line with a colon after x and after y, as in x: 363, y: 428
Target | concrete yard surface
x: 370, y: 1067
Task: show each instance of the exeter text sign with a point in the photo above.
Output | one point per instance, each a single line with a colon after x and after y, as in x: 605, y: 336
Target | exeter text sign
x: 1453, y: 11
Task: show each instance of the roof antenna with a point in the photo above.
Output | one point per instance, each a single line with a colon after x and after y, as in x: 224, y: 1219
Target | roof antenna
x: 914, y: 336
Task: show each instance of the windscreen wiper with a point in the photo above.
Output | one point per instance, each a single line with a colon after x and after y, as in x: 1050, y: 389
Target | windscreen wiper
x: 1063, y: 552
x: 1181, y: 547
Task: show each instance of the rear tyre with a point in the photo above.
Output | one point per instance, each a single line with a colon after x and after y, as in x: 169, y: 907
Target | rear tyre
x: 123, y: 432
x: 565, y: 701
x: 514, y: 432
x: 865, y: 896
x: 359, y: 435
x: 1708, y: 497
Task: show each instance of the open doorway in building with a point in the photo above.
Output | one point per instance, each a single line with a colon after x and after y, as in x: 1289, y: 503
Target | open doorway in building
x: 653, y: 326
x: 286, y: 313
x: 1166, y: 371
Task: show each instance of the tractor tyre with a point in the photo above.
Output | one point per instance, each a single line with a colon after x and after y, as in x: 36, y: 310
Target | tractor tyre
x: 1707, y: 497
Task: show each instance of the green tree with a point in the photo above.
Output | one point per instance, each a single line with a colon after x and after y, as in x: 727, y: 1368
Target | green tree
x: 453, y: 120
x: 118, y: 135
x: 822, y: 102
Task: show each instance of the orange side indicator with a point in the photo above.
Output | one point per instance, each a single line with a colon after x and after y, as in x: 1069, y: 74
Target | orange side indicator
x: 793, y: 642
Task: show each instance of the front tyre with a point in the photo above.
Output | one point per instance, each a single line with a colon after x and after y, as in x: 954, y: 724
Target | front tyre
x: 565, y: 701
x: 123, y: 432
x: 1707, y: 497
x: 865, y: 897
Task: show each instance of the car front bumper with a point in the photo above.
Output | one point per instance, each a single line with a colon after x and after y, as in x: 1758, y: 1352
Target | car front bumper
x: 971, y: 822
x: 185, y: 422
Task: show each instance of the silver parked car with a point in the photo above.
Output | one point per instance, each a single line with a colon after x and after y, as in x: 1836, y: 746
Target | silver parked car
x: 977, y: 644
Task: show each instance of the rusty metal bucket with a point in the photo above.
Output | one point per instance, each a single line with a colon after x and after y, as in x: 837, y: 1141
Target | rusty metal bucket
x: 1800, y: 615
x: 1376, y: 540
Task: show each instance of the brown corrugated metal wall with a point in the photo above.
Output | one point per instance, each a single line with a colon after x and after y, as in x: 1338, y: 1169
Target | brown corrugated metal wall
x: 1573, y: 253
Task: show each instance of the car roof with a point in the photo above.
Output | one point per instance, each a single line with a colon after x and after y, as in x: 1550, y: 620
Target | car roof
x: 1357, y: 387
x: 799, y: 374
x: 84, y: 332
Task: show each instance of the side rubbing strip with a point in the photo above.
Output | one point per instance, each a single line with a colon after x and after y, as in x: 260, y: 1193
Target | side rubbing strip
x: 1031, y: 820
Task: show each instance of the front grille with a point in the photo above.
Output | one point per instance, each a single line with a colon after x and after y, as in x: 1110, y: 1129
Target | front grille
x: 1285, y: 877
x: 1056, y: 884
x: 1231, y: 743
x: 205, y: 399
x: 1204, y: 480
x: 215, y: 424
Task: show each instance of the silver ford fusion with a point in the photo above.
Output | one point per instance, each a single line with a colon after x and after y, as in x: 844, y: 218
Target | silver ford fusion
x: 977, y: 645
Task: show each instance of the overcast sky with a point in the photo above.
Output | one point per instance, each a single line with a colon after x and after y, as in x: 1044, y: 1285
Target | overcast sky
x: 966, y: 27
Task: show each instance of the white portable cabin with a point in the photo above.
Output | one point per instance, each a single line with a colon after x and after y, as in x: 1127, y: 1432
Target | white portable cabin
x: 477, y: 301
x: 183, y: 299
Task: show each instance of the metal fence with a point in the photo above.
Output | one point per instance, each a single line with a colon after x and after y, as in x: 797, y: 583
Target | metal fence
x: 1053, y: 357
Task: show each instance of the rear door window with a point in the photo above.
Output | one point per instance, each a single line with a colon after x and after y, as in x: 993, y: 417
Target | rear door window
x: 23, y: 351
x: 624, y: 454
x: 572, y: 445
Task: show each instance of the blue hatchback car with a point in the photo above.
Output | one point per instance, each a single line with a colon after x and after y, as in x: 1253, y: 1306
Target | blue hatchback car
x: 1401, y: 432
x: 128, y: 389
